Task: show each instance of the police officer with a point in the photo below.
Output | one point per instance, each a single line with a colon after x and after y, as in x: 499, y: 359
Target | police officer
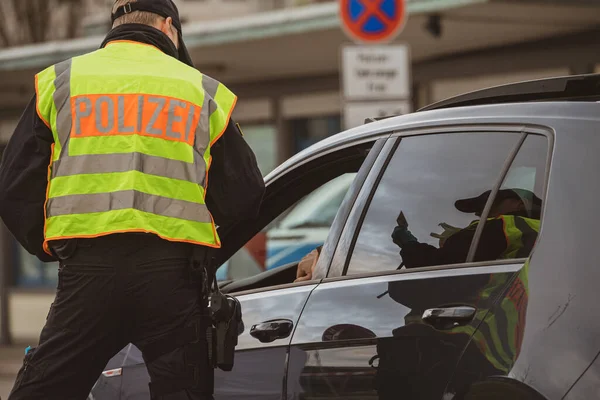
x: 120, y: 168
x: 509, y: 232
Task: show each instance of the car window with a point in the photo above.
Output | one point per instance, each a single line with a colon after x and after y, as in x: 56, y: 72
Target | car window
x: 423, y: 212
x: 525, y: 182
x: 528, y: 170
x: 300, y: 229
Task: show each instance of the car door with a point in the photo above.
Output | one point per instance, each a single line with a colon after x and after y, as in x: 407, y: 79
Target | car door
x: 271, y: 310
x: 377, y: 328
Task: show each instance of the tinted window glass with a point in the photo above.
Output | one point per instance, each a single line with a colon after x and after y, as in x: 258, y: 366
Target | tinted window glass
x: 424, y: 179
x: 515, y: 216
x: 528, y: 170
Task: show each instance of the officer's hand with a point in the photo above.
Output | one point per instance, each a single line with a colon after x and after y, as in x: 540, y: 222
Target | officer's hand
x: 402, y: 236
x: 307, y: 266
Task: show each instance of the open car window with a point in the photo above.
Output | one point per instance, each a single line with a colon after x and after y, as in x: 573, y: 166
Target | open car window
x: 297, y: 213
x: 301, y: 228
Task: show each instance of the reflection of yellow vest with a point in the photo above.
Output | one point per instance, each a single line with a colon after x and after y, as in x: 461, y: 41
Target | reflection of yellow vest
x: 499, y: 336
x: 132, y: 131
x: 520, y: 233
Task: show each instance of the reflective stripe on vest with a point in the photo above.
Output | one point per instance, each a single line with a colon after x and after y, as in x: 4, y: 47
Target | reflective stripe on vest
x: 498, y: 335
x: 132, y: 133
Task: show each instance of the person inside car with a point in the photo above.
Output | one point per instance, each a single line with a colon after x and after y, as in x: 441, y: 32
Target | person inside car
x: 509, y: 232
x: 307, y: 265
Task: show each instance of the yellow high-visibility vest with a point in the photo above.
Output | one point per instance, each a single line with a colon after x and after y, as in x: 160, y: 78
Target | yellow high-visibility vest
x: 132, y: 129
x: 499, y: 334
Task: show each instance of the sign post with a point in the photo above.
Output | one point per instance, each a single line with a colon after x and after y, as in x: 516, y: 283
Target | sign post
x: 375, y: 76
x: 5, y: 264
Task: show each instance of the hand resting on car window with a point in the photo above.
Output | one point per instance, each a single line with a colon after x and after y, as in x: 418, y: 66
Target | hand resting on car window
x: 307, y: 265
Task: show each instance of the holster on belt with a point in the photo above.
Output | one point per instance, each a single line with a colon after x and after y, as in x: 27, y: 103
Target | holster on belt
x: 225, y: 311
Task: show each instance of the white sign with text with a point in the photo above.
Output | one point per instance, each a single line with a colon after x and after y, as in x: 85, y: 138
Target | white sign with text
x: 376, y: 72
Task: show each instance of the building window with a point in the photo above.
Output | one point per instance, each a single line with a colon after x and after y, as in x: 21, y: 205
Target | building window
x: 263, y: 141
x: 30, y: 272
x: 308, y: 131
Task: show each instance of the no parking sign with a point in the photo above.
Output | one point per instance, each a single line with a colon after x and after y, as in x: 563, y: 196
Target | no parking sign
x: 373, y: 21
x: 375, y: 78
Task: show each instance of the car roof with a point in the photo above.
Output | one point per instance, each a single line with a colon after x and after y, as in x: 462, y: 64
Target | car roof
x: 525, y: 102
x: 565, y: 88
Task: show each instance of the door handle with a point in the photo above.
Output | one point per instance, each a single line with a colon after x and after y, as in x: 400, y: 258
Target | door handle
x: 449, y: 317
x: 269, y: 331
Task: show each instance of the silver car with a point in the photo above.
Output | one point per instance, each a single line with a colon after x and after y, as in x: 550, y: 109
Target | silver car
x: 369, y: 325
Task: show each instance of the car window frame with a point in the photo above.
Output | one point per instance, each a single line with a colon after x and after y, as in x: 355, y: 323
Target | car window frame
x: 308, y: 166
x: 345, y: 242
x: 341, y: 259
x: 341, y: 218
x: 525, y: 133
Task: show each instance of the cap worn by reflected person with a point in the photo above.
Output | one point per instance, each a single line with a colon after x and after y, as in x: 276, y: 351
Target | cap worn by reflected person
x: 532, y: 203
x: 164, y: 8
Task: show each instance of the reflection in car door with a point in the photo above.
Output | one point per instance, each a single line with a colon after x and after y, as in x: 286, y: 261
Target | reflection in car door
x: 379, y: 337
x: 260, y: 358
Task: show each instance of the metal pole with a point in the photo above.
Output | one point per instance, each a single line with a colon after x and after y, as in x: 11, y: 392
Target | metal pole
x: 5, y: 263
x: 284, y: 139
x: 279, y: 4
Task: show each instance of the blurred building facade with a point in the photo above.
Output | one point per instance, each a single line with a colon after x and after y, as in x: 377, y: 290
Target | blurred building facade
x: 282, y: 59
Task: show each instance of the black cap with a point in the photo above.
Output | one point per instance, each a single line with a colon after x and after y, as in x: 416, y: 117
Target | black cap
x: 164, y: 8
x: 532, y: 203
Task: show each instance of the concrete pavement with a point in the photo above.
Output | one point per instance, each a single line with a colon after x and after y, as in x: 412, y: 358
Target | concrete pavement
x: 11, y: 359
x: 27, y: 312
x: 6, y: 384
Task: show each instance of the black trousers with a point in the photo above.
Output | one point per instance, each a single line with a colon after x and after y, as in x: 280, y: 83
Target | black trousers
x: 115, y: 290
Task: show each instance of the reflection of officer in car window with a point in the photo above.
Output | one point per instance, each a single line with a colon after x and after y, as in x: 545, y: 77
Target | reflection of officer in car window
x: 409, y: 364
x: 509, y: 232
x: 418, y: 359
